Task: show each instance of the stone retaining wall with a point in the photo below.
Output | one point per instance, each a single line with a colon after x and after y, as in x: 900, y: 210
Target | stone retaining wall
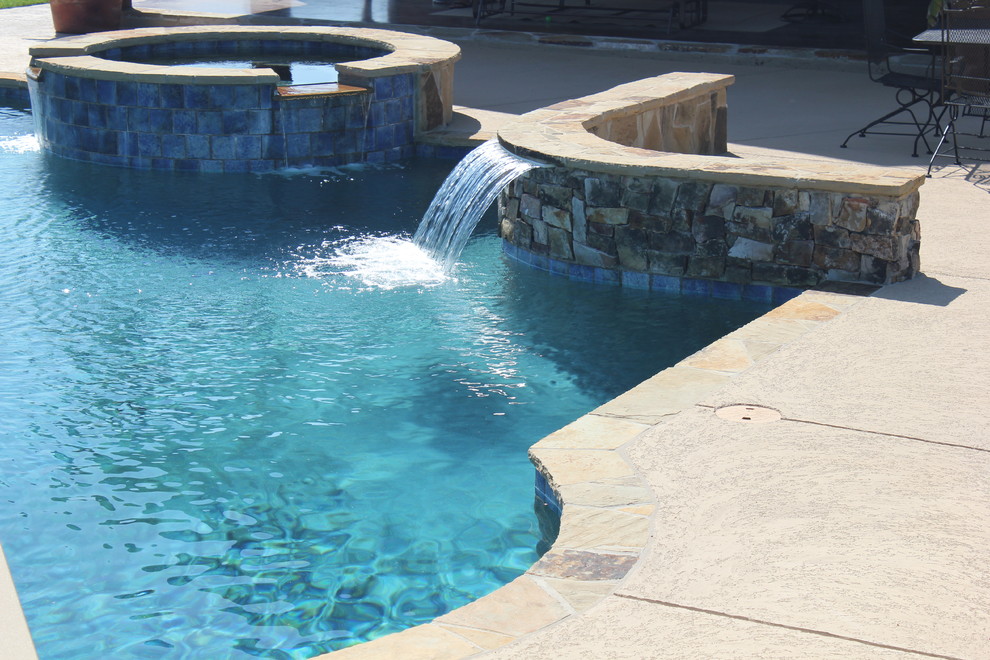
x: 693, y: 211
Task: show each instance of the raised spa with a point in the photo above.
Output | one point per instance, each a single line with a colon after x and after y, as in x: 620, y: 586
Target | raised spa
x: 238, y: 99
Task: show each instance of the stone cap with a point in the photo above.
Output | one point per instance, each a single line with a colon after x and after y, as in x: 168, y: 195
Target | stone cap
x: 559, y: 134
x: 76, y: 55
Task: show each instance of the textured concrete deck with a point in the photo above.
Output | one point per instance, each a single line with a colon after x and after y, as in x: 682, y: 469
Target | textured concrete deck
x: 858, y: 525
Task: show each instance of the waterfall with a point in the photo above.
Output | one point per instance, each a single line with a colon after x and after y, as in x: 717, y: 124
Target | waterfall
x: 464, y: 197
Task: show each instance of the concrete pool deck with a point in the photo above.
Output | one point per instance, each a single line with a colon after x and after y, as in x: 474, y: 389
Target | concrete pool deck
x: 857, y: 525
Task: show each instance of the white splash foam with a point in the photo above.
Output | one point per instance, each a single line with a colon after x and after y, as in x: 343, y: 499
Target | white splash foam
x: 384, y: 262
x: 20, y: 144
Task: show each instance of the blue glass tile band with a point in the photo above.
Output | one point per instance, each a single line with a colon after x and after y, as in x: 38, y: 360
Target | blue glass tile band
x: 666, y: 283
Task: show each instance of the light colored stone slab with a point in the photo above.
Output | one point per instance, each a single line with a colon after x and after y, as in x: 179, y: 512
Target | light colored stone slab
x: 579, y: 594
x: 666, y: 393
x: 519, y: 607
x: 624, y: 629
x: 426, y: 642
x: 483, y: 638
x: 14, y: 633
x: 872, y: 537
x: 607, y: 492
x: 593, y: 432
x: 571, y: 466
x: 589, y: 528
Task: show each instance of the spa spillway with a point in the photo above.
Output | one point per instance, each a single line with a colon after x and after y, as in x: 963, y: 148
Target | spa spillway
x: 154, y: 99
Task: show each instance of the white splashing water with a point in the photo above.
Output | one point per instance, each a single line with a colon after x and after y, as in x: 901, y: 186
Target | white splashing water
x: 20, y: 144
x: 383, y: 262
x: 464, y: 197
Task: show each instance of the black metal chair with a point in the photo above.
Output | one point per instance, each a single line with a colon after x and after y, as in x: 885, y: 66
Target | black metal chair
x: 965, y: 79
x: 917, y: 93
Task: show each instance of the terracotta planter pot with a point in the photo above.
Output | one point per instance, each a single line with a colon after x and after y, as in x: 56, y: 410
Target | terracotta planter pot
x: 80, y: 16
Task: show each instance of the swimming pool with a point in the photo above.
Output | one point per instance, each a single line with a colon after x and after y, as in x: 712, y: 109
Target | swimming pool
x: 217, y: 444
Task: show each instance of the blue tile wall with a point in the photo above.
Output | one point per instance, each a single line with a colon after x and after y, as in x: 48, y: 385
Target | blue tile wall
x: 236, y: 128
x: 665, y: 283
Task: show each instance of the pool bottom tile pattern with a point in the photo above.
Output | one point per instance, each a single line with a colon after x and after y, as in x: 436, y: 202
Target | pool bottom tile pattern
x: 606, y: 506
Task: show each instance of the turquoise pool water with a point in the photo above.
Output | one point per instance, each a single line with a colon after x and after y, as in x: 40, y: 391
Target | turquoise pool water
x: 218, y: 444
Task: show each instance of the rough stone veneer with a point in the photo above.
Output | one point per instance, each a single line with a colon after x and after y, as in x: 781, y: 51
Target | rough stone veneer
x: 642, y: 187
x: 92, y: 104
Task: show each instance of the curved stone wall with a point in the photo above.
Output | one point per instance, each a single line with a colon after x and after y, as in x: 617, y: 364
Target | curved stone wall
x: 644, y: 193
x: 91, y: 104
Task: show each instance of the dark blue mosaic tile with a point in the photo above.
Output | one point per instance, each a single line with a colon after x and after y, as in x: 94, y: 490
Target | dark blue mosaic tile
x: 110, y: 159
x: 197, y: 97
x: 87, y: 90
x: 349, y: 141
x: 222, y: 147
x: 558, y: 267
x: 54, y: 83
x: 197, y: 146
x: 71, y: 87
x: 693, y: 287
x: 235, y: 122
x: 159, y: 121
x: 606, y: 276
x: 149, y: 145
x: 382, y: 87
x: 187, y: 165
x: 297, y: 146
x: 172, y: 96
x: 581, y: 273
x: 184, y: 121
x: 376, y: 157
x: 147, y: 95
x: 510, y: 249
x: 247, y: 147
x: 209, y: 123
x: 106, y: 92
x: 211, y: 166
x: 727, y: 290
x: 376, y: 114
x: 322, y: 144
x: 174, y: 146
x: 393, y: 112
x: 665, y: 283
x: 407, y: 151
x: 96, y: 115
x: 162, y: 164
x: 408, y: 104
x: 261, y: 166
x: 127, y: 93
x: 236, y: 166
x: 302, y: 120
x: 782, y: 294
x: 139, y: 163
x: 334, y: 118
x: 634, y: 280
x: 259, y: 122
x: 137, y: 119
x: 757, y: 293
x: 384, y: 137
x: 540, y: 261
x: 80, y: 113
x: 403, y: 85
x: 273, y: 147
x: 357, y: 116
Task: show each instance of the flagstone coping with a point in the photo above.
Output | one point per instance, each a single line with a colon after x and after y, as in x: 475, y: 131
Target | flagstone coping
x: 560, y: 134
x: 408, y: 53
x: 607, y: 506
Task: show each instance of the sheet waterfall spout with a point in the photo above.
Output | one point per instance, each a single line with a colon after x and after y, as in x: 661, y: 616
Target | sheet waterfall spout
x: 464, y: 197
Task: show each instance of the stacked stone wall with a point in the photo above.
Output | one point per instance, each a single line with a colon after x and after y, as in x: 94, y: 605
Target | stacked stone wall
x: 710, y: 231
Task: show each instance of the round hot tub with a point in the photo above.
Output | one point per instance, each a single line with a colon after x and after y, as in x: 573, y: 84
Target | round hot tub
x: 224, y: 98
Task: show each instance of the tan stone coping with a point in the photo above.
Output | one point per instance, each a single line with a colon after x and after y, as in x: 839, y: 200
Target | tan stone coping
x: 408, y: 53
x: 559, y: 134
x: 14, y: 630
x: 607, y: 507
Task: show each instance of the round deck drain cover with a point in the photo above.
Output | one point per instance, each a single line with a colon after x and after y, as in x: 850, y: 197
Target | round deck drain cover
x: 748, y: 414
